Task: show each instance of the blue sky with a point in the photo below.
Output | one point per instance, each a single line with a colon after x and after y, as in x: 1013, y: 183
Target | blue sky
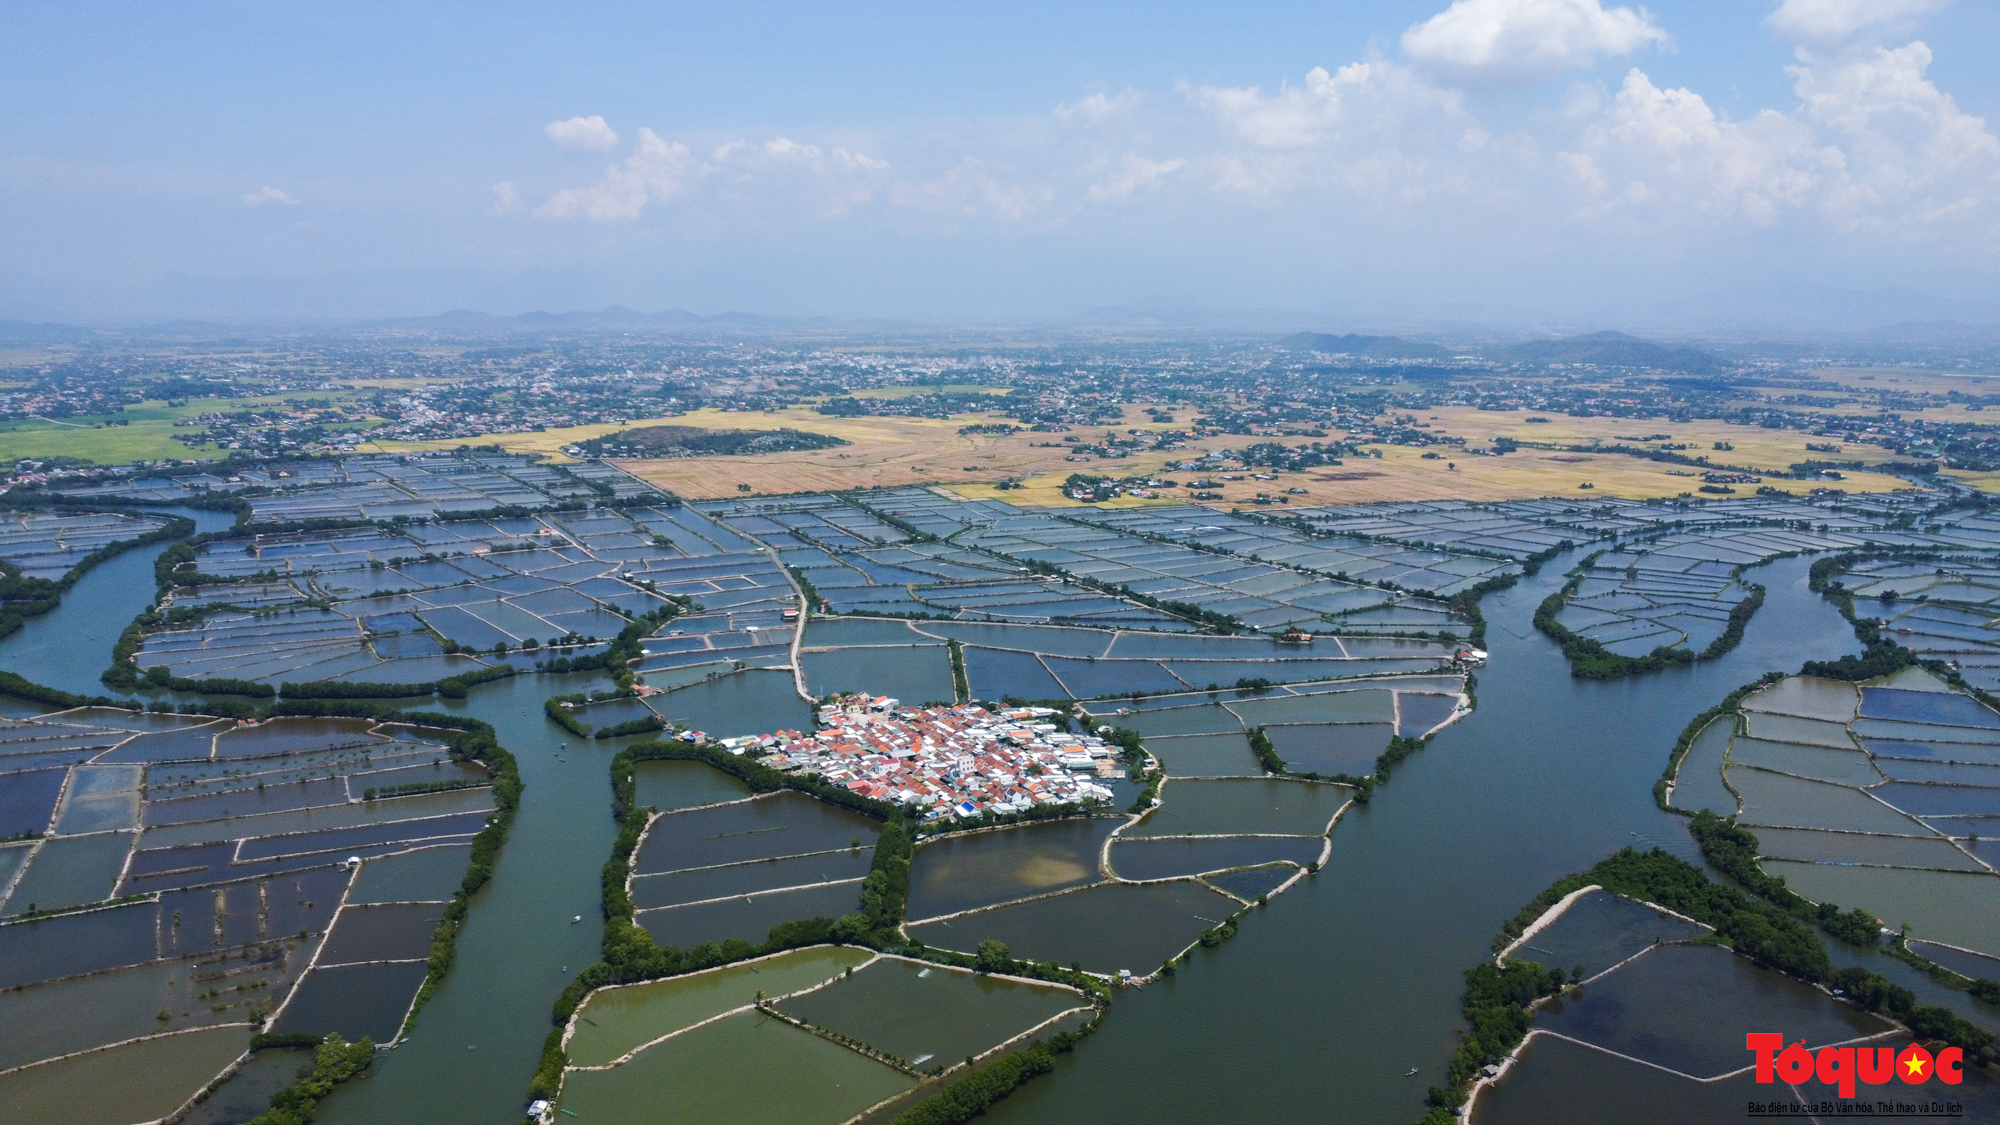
x: 1503, y: 161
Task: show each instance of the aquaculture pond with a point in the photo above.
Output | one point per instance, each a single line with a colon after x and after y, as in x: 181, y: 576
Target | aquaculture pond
x: 1244, y: 806
x: 1171, y: 857
x: 1219, y: 754
x: 964, y: 872
x: 353, y: 1000
x: 1105, y: 928
x: 232, y: 860
x: 655, y: 1048
x: 138, y: 1081
x: 716, y: 872
x: 1438, y: 859
x: 247, y: 1092
x: 1680, y: 1011
x: 615, y: 1022
x: 912, y: 675
x: 783, y: 1075
x: 753, y: 702
x: 1557, y: 1082
x: 668, y: 785
x: 1850, y: 817
x: 924, y: 1014
x: 1254, y: 883
x: 1367, y: 953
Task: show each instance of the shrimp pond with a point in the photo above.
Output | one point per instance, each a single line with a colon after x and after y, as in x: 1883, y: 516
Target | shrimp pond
x: 170, y: 884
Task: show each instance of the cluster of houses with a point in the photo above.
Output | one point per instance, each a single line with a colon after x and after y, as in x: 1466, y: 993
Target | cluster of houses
x: 957, y: 762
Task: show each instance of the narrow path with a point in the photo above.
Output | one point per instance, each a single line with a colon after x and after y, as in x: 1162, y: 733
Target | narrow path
x: 799, y: 632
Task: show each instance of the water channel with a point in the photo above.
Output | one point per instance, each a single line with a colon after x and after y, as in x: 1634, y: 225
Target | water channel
x: 1314, y: 1011
x: 71, y: 644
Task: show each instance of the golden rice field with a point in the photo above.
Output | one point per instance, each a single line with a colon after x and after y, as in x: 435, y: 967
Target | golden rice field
x: 1755, y: 447
x: 890, y: 452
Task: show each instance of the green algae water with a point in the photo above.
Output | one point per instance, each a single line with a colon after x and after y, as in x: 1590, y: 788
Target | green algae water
x: 152, y: 1077
x: 619, y: 1021
x: 928, y: 1014
x: 752, y: 1068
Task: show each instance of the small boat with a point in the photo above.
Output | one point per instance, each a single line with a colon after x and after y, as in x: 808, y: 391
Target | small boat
x: 575, y: 920
x: 1409, y: 1072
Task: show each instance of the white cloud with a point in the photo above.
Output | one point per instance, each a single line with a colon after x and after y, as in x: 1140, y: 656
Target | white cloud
x: 1669, y: 147
x: 590, y: 134
x: 1372, y: 128
x: 1134, y: 173
x: 762, y: 181
x: 267, y: 194
x: 1829, y: 21
x: 1908, y: 153
x: 655, y: 171
x: 785, y: 147
x: 1099, y: 106
x: 1489, y: 41
x: 1872, y: 145
x: 971, y: 190
x: 785, y: 152
x: 1367, y: 96
x: 507, y: 200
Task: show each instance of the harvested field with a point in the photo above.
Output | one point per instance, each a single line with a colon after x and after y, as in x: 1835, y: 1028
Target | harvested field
x: 1754, y: 446
x: 890, y: 451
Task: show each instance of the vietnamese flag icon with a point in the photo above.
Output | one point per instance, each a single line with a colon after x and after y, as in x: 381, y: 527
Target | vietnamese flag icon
x: 1914, y: 1064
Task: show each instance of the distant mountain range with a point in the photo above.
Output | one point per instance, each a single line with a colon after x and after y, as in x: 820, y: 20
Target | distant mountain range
x: 1610, y: 349
x: 613, y: 318
x: 458, y: 322
x: 1917, y: 340
x: 28, y: 333
x: 1606, y: 349
x: 1371, y: 347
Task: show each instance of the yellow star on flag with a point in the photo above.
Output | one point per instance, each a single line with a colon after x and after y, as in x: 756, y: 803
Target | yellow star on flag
x: 1915, y: 1064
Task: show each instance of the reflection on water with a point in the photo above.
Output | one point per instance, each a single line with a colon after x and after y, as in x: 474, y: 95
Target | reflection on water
x: 982, y: 868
